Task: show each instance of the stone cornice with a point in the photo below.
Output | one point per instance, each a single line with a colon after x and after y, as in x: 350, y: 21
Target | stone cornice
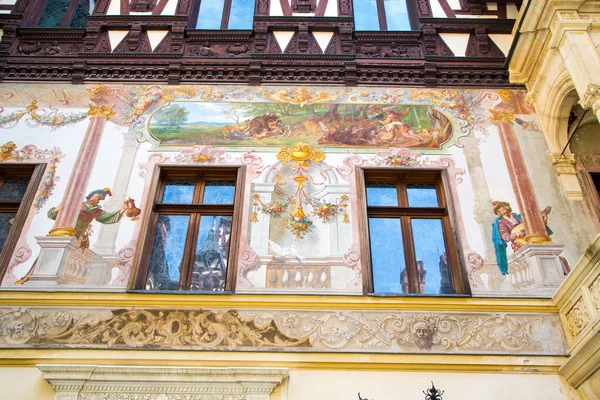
x: 72, y: 381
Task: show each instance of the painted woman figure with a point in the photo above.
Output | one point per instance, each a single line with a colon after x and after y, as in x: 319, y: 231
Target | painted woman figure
x: 502, y: 232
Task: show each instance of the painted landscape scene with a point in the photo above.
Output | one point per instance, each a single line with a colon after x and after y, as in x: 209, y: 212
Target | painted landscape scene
x: 282, y: 124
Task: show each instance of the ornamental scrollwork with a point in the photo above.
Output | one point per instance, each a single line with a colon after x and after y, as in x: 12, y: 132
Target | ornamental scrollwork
x: 276, y: 330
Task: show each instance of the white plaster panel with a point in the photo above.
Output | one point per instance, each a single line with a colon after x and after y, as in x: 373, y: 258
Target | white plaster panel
x: 114, y: 8
x: 457, y: 42
x: 283, y: 38
x: 156, y: 37
x: 477, y: 16
x: 492, y: 6
x: 511, y: 11
x: 332, y: 9
x: 323, y: 39
x: 502, y: 41
x: 8, y: 2
x: 454, y: 4
x: 116, y: 37
x: 437, y: 10
x: 170, y: 8
x: 275, y: 10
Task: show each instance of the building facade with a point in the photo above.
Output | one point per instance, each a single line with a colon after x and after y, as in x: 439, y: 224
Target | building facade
x: 289, y: 200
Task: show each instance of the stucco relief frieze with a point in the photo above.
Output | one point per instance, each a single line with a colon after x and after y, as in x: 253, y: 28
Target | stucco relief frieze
x: 275, y: 330
x: 577, y: 319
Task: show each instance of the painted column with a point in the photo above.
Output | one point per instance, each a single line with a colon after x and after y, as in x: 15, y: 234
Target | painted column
x: 64, y: 225
x: 483, y: 209
x: 521, y: 182
x: 107, y: 234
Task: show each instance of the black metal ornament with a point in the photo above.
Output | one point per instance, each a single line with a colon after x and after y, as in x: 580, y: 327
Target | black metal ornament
x: 433, y: 393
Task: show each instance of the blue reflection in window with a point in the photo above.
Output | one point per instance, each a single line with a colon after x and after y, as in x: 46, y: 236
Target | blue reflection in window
x: 365, y: 15
x: 210, y: 14
x: 241, y: 14
x: 387, y: 256
x: 430, y: 249
x: 382, y: 194
x: 396, y: 15
x: 179, y: 192
x: 421, y: 195
x: 166, y: 257
x: 219, y: 192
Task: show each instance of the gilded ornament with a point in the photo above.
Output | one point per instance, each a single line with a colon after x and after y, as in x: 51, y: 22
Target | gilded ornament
x: 62, y: 231
x: 302, y: 154
x: 498, y: 117
x: 7, y: 151
x: 506, y: 95
x: 102, y: 111
x: 95, y: 90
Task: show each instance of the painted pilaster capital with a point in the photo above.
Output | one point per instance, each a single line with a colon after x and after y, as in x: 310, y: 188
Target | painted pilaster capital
x: 564, y: 164
x: 498, y: 117
x: 591, y: 98
x: 101, y: 111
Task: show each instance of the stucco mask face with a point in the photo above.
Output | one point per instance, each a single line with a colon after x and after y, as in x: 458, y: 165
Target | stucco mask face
x: 424, y: 334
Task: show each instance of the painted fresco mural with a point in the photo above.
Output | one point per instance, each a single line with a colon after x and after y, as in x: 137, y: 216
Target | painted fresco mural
x: 300, y: 228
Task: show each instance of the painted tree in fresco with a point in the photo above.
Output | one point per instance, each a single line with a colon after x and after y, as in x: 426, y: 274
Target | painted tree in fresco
x: 172, y: 116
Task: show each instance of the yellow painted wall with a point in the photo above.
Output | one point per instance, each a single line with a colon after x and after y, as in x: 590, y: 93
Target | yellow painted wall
x: 27, y: 383
x: 24, y: 383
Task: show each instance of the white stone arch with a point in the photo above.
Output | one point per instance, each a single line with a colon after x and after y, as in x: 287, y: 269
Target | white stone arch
x: 555, y: 118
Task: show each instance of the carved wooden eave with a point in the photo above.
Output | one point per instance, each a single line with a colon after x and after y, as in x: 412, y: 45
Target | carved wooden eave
x: 79, y: 382
x: 416, y: 58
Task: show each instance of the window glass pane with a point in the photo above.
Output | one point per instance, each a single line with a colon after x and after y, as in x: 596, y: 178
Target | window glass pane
x: 179, y: 192
x: 396, y: 15
x: 432, y: 260
x: 365, y: 15
x: 387, y: 256
x: 166, y: 257
x: 421, y: 195
x: 210, y: 14
x: 241, y: 15
x: 6, y: 222
x: 219, y: 192
x: 53, y: 13
x: 212, y: 248
x: 382, y: 194
x: 13, y: 189
x: 82, y: 12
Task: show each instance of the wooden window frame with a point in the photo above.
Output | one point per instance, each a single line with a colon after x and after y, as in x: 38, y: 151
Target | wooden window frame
x: 36, y: 173
x: 196, y: 211
x: 195, y: 13
x: 444, y: 212
x: 411, y: 8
